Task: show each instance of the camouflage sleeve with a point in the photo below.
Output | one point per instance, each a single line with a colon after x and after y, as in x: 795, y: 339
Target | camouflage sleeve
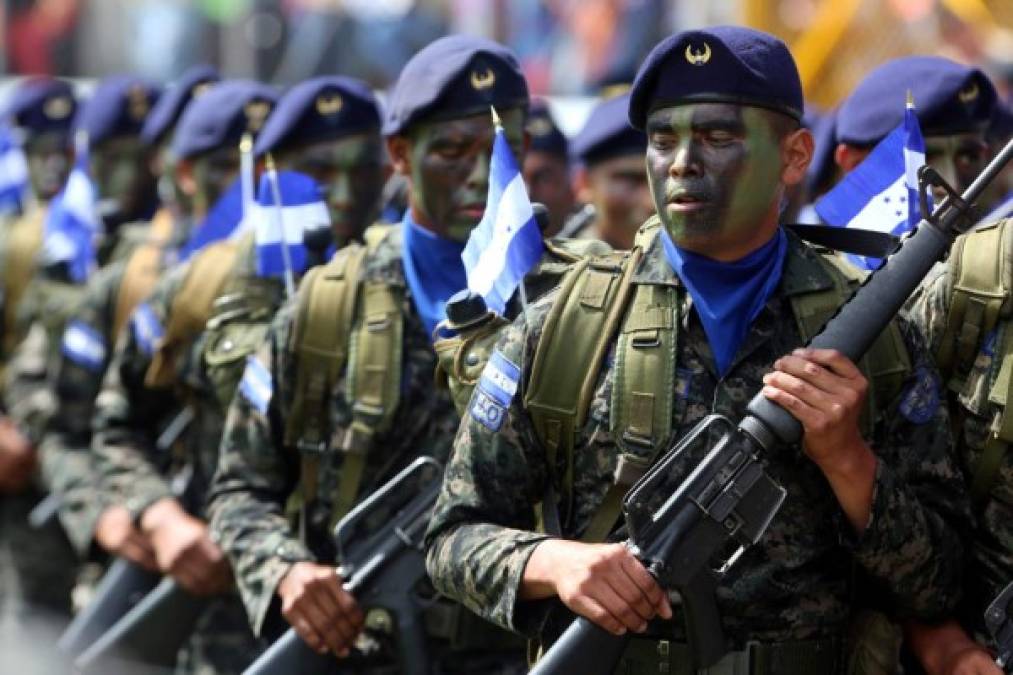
x: 27, y: 398
x: 127, y: 413
x: 67, y: 467
x: 256, y: 476
x: 482, y: 531
x: 920, y: 508
x: 929, y: 305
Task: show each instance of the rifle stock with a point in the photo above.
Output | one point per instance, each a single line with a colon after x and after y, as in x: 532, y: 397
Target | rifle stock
x: 381, y: 569
x: 728, y: 497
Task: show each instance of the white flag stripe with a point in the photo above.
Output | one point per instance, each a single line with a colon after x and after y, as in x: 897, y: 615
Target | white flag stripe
x: 913, y: 160
x: 880, y: 213
x: 513, y: 210
x: 13, y: 167
x: 78, y: 341
x: 295, y: 221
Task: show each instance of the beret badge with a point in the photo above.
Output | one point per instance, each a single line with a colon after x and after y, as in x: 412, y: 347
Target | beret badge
x: 58, y: 107
x: 969, y: 93
x: 329, y: 104
x: 698, y: 57
x: 200, y: 89
x: 483, y: 80
x: 256, y: 112
x: 138, y: 104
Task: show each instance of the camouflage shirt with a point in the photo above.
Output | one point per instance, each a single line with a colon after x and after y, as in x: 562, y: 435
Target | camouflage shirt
x: 989, y: 564
x: 257, y: 473
x: 796, y: 583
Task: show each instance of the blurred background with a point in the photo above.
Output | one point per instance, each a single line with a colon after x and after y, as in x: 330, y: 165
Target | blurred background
x: 567, y: 47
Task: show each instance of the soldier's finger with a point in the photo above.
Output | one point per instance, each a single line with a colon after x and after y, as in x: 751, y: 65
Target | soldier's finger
x: 624, y: 586
x: 321, y: 623
x: 338, y: 616
x: 346, y: 601
x: 593, y: 611
x: 308, y: 634
x: 798, y: 409
x: 648, y: 585
x: 832, y: 359
x: 620, y: 608
x: 812, y: 373
x: 807, y: 393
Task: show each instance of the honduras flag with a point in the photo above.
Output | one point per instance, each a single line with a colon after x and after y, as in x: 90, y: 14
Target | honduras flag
x: 222, y: 221
x: 280, y: 228
x: 72, y: 223
x: 507, y: 242
x: 13, y: 173
x: 882, y: 192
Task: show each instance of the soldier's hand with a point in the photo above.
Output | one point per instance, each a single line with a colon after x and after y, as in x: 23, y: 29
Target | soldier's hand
x: 116, y: 533
x: 184, y: 550
x: 602, y: 582
x: 971, y: 661
x: 321, y: 611
x: 947, y: 649
x: 17, y: 458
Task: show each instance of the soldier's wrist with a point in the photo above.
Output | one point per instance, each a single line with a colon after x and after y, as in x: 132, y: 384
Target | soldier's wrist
x: 157, y: 514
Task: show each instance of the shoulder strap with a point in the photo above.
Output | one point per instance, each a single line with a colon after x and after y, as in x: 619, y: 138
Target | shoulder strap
x: 143, y: 268
x: 23, y: 243
x: 978, y: 299
x: 191, y: 308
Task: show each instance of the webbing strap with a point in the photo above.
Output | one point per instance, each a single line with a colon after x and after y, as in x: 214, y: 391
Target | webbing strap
x: 23, y: 243
x: 143, y: 269
x: 986, y: 470
x: 190, y: 309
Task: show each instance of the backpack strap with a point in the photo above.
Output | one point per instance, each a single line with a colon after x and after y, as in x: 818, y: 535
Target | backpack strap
x: 986, y: 470
x: 143, y: 268
x: 191, y: 308
x: 23, y: 243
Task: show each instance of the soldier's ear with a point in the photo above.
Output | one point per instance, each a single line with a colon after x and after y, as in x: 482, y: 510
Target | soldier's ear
x: 399, y: 149
x: 796, y: 154
x: 185, y: 179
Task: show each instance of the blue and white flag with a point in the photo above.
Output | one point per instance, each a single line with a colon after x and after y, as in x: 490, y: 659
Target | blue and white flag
x: 257, y: 385
x: 881, y: 193
x: 221, y: 222
x: 507, y: 242
x: 280, y: 230
x: 84, y: 346
x: 72, y: 223
x: 13, y: 172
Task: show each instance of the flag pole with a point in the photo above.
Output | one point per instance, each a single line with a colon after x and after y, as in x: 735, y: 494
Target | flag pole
x: 272, y: 179
x: 246, y: 173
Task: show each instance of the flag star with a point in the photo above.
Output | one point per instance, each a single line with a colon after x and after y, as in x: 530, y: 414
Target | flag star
x: 886, y: 199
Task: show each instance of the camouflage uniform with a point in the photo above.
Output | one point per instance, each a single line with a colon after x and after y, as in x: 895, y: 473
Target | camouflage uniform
x: 989, y: 561
x: 796, y: 583
x: 257, y: 474
x: 128, y: 419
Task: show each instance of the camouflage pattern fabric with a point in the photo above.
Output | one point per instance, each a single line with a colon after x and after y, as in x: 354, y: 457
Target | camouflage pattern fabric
x: 257, y: 475
x: 796, y: 583
x: 989, y: 565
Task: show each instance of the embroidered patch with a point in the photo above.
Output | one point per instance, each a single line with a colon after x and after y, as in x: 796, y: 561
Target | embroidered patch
x: 84, y: 346
x: 147, y: 328
x: 921, y: 400
x: 495, y: 391
x: 989, y: 347
x: 257, y: 385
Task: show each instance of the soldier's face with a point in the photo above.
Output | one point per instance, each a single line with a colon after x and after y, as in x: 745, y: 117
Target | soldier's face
x: 621, y: 197
x: 351, y: 172
x: 548, y: 180
x: 959, y: 158
x: 48, y: 164
x: 715, y: 170
x: 122, y: 172
x: 448, y: 162
x: 213, y: 173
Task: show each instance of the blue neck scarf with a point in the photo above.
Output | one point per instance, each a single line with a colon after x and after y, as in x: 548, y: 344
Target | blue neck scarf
x: 433, y: 269
x: 728, y: 296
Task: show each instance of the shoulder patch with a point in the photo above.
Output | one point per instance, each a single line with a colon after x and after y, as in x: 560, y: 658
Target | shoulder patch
x: 257, y: 385
x: 84, y: 346
x: 495, y: 391
x: 147, y: 328
x: 920, y: 401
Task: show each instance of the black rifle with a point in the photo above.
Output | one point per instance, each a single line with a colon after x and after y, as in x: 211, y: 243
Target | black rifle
x: 999, y: 622
x: 380, y: 548
x: 728, y: 500
x: 124, y: 583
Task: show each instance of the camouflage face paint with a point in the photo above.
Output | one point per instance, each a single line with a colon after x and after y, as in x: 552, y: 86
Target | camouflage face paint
x: 213, y: 172
x: 350, y: 171
x: 714, y: 170
x: 958, y: 158
x: 122, y: 173
x: 48, y: 164
x: 450, y: 168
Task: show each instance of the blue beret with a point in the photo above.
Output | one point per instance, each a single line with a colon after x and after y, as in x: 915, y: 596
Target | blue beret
x: 220, y: 117
x: 949, y: 98
x: 607, y: 133
x: 1001, y: 127
x: 117, y: 107
x: 320, y: 109
x: 545, y: 135
x: 170, y: 106
x: 42, y: 105
x: 455, y: 76
x: 822, y: 166
x: 723, y: 64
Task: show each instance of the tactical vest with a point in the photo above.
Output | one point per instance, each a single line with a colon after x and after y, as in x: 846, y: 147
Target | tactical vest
x: 597, y: 305
x: 981, y: 272
x: 143, y: 268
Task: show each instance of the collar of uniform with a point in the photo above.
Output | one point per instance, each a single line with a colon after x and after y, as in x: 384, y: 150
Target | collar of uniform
x: 803, y: 271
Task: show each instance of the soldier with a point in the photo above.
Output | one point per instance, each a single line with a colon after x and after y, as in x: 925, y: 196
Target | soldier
x: 384, y: 413
x: 712, y: 315
x: 145, y: 520
x: 612, y: 179
x: 547, y: 167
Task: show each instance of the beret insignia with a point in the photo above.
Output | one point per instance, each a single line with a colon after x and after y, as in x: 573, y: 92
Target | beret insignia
x: 138, y: 104
x: 200, y: 89
x: 698, y: 58
x: 969, y: 93
x: 58, y: 107
x: 483, y: 80
x: 256, y: 112
x: 329, y: 104
x: 539, y: 126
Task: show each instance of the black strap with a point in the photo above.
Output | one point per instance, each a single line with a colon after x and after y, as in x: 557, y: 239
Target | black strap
x: 848, y: 239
